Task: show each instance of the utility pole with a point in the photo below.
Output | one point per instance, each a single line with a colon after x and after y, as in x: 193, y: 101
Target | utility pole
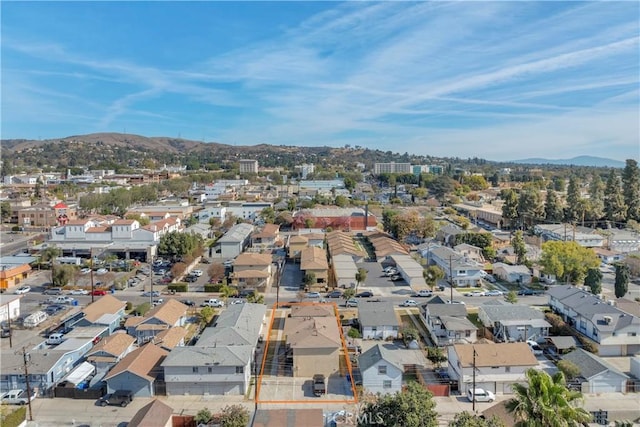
x: 25, y: 360
x: 92, y: 284
x: 9, y: 327
x: 151, y: 281
x: 255, y: 378
x: 473, y: 392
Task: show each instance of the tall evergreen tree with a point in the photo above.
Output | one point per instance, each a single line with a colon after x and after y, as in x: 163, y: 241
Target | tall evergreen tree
x: 631, y: 189
x: 614, y: 206
x: 530, y: 206
x: 621, y: 284
x: 519, y: 248
x: 510, y: 207
x: 572, y: 210
x: 552, y: 209
x: 596, y: 198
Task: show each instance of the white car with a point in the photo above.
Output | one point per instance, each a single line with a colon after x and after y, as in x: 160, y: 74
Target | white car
x: 101, y: 271
x: 23, y: 290
x: 493, y: 293
x: 456, y: 302
x: 237, y: 301
x: 197, y: 273
x: 423, y: 293
x: 480, y: 395
x: 313, y: 295
x: 535, y: 348
x: 79, y: 292
x: 85, y: 271
x: 409, y: 303
x: 474, y: 294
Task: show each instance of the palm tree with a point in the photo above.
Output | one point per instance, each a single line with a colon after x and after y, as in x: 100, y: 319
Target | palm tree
x: 546, y: 401
x: 361, y: 277
x: 226, y: 291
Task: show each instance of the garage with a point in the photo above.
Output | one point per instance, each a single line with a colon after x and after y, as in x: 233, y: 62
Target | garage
x: 201, y: 389
x: 610, y: 350
x: 599, y: 375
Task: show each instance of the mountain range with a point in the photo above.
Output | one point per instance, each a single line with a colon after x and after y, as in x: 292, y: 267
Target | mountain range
x: 575, y: 161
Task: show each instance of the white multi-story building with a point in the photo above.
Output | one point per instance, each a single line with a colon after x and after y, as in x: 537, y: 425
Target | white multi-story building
x: 305, y: 169
x: 248, y: 166
x: 391, y: 167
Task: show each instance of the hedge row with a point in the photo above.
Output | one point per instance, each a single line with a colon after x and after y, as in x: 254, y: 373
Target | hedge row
x: 178, y: 287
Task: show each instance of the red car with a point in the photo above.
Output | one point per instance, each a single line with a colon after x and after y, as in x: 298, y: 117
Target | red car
x: 99, y: 292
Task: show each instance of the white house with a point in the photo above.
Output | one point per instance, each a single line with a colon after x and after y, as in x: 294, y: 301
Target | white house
x: 497, y: 366
x: 615, y: 331
x: 512, y: 273
x: 234, y: 241
x: 378, y: 320
x: 568, y: 232
x: 380, y: 373
x: 513, y: 322
x: 447, y: 323
x: 460, y: 270
x: 599, y: 376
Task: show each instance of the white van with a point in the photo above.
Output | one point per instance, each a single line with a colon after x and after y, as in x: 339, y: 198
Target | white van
x: 34, y: 319
x: 481, y: 395
x: 55, y: 339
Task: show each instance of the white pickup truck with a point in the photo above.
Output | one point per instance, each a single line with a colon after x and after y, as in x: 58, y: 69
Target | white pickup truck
x: 214, y: 302
x: 62, y: 300
x: 17, y: 397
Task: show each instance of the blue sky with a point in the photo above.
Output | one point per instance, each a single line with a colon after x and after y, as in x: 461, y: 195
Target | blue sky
x: 497, y: 80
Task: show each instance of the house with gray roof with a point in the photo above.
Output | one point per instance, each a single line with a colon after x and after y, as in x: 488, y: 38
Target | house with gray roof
x: 597, y: 374
x: 234, y: 241
x: 220, y: 362
x: 447, y: 323
x: 616, y: 332
x: 513, y: 322
x: 380, y: 372
x: 459, y: 269
x: 512, y: 273
x: 378, y: 320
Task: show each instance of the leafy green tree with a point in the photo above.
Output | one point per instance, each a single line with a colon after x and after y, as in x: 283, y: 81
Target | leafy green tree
x: 354, y: 333
x: 387, y: 219
x: 349, y: 293
x: 341, y: 201
x: 441, y: 186
x: 226, y: 292
x: 546, y: 401
x: 63, y: 275
x: 256, y: 298
x: 572, y: 213
x: 621, y: 283
x: 511, y: 297
x: 234, y: 416
x: 309, y: 279
x: 569, y: 369
x: 5, y: 210
x: 432, y: 274
x: 413, y: 407
x: 143, y: 220
x: 49, y: 255
x: 568, y: 260
x: 519, y: 248
x: 206, y: 314
x: 268, y: 214
x: 594, y: 280
x: 476, y: 182
x: 361, y: 277
x: 596, y: 198
x: 614, y: 206
x: 203, y: 416
x: 466, y: 419
x: 177, y: 245
x: 552, y: 208
x: 631, y: 186
x: 436, y: 355
x: 509, y: 207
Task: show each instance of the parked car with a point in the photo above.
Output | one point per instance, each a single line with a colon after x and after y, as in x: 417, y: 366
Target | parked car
x: 188, y: 302
x: 535, y: 348
x: 191, y: 279
x: 313, y: 295
x: 55, y: 339
x: 63, y: 300
x: 494, y: 293
x: 474, y: 294
x: 52, y: 291
x: 396, y: 278
x: 85, y: 271
x: 98, y: 292
x: 237, y: 301
x: 351, y: 302
x: 78, y: 292
x: 319, y: 385
x: 526, y: 292
x: 17, y: 397
x: 5, y: 333
x: 197, y: 273
x: 480, y: 395
x: 365, y: 294
x: 213, y: 302
x: 423, y: 293
x: 409, y: 303
x: 156, y: 302
x: 151, y: 294
x: 334, y: 294
x: 117, y: 398
x: 456, y: 302
x: 101, y: 271
x: 23, y: 290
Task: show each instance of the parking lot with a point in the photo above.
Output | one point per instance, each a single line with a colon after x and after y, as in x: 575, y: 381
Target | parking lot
x: 300, y: 390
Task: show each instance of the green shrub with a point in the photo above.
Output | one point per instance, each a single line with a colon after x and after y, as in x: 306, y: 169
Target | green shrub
x: 142, y: 309
x: 213, y: 287
x: 354, y: 333
x: 129, y: 306
x: 15, y: 418
x: 178, y: 287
